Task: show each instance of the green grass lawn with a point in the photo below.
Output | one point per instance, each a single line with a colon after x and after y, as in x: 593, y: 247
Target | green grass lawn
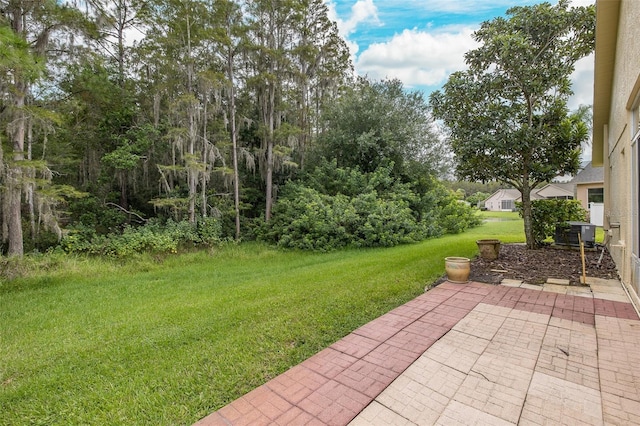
x: 169, y: 341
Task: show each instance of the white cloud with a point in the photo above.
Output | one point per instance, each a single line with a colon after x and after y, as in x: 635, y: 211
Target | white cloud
x: 576, y: 3
x: 418, y: 58
x: 362, y: 11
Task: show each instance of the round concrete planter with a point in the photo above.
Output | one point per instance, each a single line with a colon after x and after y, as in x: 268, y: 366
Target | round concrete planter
x: 458, y: 269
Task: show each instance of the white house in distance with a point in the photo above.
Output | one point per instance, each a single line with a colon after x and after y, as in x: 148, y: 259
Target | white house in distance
x: 616, y: 131
x: 503, y: 200
x: 587, y: 187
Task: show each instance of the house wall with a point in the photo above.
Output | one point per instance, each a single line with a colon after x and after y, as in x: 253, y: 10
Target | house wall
x: 620, y: 212
x: 494, y: 203
x: 582, y: 193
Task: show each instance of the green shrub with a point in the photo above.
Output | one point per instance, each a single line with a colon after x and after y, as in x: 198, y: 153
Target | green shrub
x: 546, y: 214
x: 333, y: 208
x: 153, y: 237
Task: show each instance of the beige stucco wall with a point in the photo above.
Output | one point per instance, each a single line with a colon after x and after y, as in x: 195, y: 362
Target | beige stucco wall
x: 618, y: 152
x: 582, y: 193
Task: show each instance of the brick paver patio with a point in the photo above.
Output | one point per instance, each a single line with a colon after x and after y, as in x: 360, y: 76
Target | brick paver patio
x: 468, y: 354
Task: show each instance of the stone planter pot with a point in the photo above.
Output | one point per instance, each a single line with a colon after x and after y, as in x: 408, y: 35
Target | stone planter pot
x: 489, y: 249
x: 458, y: 269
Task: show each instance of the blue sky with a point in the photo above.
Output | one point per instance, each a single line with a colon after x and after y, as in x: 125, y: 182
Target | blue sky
x: 421, y: 42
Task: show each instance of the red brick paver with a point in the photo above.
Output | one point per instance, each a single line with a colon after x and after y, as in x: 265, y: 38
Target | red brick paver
x: 463, y: 354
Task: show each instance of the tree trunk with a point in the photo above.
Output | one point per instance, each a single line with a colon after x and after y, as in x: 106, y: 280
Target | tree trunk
x: 15, y: 173
x: 205, y: 156
x: 526, y: 215
x: 270, y: 159
x: 192, y: 172
x: 234, y: 140
x: 14, y: 180
x: 269, y: 191
x: 30, y: 187
x: 124, y: 196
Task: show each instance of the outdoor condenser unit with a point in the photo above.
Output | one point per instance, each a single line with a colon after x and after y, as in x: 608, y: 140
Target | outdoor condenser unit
x: 567, y: 234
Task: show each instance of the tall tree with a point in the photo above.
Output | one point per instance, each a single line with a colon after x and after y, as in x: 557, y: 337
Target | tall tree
x: 177, y: 51
x: 507, y: 114
x: 29, y: 28
x: 229, y: 42
x: 298, y: 60
x: 271, y: 40
x: 321, y: 65
x: 19, y: 68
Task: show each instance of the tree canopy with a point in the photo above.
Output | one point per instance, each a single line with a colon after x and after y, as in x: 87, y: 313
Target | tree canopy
x: 507, y: 115
x: 205, y: 119
x: 378, y: 123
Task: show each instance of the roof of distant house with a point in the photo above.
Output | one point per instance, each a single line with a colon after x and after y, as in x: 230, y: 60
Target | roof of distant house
x: 556, y: 189
x: 589, y: 174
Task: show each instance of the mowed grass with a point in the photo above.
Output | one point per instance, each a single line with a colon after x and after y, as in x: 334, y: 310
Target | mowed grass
x: 167, y: 342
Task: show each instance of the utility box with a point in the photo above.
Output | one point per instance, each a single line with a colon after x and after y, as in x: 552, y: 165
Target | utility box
x: 567, y: 234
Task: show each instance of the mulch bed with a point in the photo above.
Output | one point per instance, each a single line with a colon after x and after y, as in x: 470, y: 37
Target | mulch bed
x: 535, y: 266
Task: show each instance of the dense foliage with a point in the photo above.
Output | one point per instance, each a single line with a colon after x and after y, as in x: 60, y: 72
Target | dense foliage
x: 375, y: 124
x: 507, y: 113
x: 547, y: 214
x: 215, y: 111
x: 335, y: 207
x: 153, y: 237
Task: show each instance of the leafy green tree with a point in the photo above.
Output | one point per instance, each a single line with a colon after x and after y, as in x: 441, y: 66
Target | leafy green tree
x: 29, y: 31
x: 228, y: 39
x: 185, y: 76
x: 379, y: 123
x: 507, y: 114
x: 478, y: 197
x: 297, y: 61
x: 270, y: 43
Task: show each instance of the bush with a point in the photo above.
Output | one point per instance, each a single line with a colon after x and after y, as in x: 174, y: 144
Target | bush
x: 546, y: 214
x: 153, y: 237
x: 334, y: 208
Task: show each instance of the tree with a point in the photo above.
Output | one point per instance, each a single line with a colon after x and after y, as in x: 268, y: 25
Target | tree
x: 378, y: 123
x: 321, y: 64
x: 271, y: 41
x: 507, y: 114
x: 228, y: 39
x: 185, y: 73
x: 28, y: 30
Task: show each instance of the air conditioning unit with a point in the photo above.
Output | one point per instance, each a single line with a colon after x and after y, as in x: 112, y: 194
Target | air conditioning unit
x: 567, y: 234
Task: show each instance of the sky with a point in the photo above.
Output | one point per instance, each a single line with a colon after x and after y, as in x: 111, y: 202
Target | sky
x: 421, y: 42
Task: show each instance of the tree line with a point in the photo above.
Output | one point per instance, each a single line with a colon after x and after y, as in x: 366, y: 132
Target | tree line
x: 208, y: 114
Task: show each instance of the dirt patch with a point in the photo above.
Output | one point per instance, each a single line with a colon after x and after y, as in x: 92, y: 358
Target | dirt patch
x: 535, y: 266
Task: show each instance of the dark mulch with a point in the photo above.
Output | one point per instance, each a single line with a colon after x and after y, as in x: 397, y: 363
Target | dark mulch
x: 535, y: 266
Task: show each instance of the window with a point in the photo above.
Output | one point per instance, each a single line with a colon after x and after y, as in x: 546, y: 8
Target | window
x: 507, y: 205
x: 595, y: 195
